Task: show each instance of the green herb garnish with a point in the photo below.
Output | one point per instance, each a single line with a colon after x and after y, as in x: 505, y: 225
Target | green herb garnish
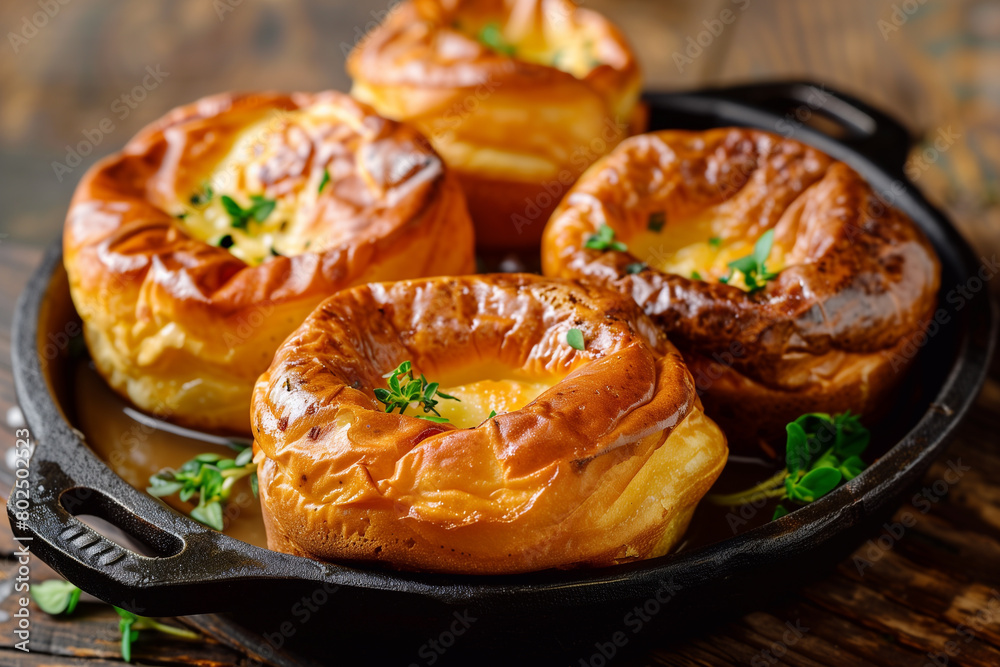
x: 715, y: 242
x: 636, y: 267
x: 821, y: 451
x: 574, y: 337
x: 260, y: 207
x: 404, y: 390
x: 493, y: 413
x: 275, y: 253
x: 324, y: 180
x: 130, y: 624
x: 604, y: 239
x: 226, y: 241
x: 56, y: 597
x: 209, y: 476
x: 203, y: 196
x: 755, y: 273
x: 656, y: 221
x: 492, y: 37
x: 695, y: 275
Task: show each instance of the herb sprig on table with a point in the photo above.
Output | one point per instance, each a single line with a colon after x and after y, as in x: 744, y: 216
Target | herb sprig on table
x: 210, y: 477
x: 56, y: 597
x: 821, y: 451
x: 404, y: 390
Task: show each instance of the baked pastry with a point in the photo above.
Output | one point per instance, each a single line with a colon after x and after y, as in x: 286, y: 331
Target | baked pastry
x: 518, y: 97
x: 595, y: 456
x: 198, y: 248
x: 827, y: 285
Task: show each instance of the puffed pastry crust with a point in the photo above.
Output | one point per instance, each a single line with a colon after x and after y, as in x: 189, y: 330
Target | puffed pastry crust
x: 857, y: 279
x: 604, y: 467
x: 183, y: 326
x: 518, y: 97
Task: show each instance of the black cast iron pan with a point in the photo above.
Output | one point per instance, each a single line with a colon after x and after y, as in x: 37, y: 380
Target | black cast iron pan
x: 392, y: 618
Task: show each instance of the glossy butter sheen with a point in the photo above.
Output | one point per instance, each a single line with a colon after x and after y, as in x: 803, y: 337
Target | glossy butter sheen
x: 622, y: 431
x: 858, y: 280
x: 182, y: 326
x: 518, y: 126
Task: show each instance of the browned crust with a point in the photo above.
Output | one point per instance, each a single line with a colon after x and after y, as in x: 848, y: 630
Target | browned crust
x: 419, y: 68
x: 861, y: 276
x: 526, y: 490
x: 130, y: 261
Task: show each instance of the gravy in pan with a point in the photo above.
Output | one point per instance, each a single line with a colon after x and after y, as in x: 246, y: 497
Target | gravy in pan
x: 136, y: 447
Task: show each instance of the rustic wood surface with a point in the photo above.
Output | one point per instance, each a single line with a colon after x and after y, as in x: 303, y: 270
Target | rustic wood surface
x: 933, y: 598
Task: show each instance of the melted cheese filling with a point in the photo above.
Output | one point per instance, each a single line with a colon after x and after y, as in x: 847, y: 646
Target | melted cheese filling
x: 477, y: 399
x: 483, y: 389
x: 262, y: 150
x: 564, y: 49
x: 691, y: 249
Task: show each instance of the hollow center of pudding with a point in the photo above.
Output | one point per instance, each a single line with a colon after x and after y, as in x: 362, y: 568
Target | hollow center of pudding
x: 486, y: 388
x: 695, y: 248
x: 267, y: 190
x: 542, y: 42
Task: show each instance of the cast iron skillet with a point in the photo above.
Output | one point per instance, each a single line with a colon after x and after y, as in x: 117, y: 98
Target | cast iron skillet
x: 574, y: 614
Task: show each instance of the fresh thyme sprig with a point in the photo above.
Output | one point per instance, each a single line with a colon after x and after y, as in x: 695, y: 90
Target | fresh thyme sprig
x: 492, y: 37
x: 755, y: 273
x: 203, y: 195
x: 56, y: 597
x: 260, y: 207
x: 209, y: 476
x: 821, y: 451
x: 405, y: 390
x: 604, y: 239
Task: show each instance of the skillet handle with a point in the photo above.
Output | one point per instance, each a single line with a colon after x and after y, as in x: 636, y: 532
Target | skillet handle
x: 802, y: 108
x: 184, y: 567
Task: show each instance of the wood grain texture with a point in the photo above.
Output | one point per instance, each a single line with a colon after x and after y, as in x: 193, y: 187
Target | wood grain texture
x: 936, y: 589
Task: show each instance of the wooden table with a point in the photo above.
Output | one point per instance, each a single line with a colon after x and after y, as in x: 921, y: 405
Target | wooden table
x: 933, y: 64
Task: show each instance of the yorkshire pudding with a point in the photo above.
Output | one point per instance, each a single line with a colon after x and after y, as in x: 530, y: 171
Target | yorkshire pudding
x: 197, y: 249
x: 518, y: 97
x: 825, y: 322
x: 595, y: 456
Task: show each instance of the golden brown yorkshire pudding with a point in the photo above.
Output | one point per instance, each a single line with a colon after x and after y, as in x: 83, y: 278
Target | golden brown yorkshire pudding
x: 197, y: 249
x: 518, y: 97
x: 595, y: 456
x: 855, y: 280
